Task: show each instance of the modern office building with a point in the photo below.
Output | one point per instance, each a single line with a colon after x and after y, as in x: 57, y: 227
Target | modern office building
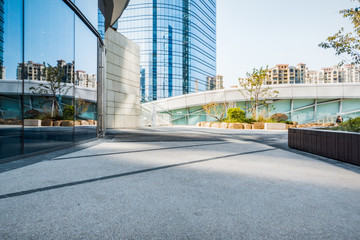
x: 55, y: 59
x: 177, y: 44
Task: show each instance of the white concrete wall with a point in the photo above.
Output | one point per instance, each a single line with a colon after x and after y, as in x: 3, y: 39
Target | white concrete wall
x: 286, y: 91
x: 122, y: 81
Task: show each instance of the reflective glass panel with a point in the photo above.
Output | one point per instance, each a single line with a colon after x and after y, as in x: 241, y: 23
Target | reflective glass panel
x: 85, y: 82
x: 49, y: 76
x: 10, y: 82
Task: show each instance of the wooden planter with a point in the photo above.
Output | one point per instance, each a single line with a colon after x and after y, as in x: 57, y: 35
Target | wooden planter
x: 343, y: 146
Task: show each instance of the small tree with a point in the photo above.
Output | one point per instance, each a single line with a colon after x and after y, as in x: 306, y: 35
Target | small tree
x: 81, y: 106
x: 279, y: 117
x: 53, y: 87
x: 216, y: 110
x: 253, y: 90
x: 346, y: 43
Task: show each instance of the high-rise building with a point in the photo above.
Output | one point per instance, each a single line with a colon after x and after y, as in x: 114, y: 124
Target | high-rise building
x: 177, y: 44
x: 2, y: 67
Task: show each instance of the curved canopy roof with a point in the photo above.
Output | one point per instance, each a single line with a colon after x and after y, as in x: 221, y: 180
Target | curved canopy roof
x: 112, y: 10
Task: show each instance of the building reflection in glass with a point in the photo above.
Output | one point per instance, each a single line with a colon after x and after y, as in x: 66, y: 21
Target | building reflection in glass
x: 48, y: 82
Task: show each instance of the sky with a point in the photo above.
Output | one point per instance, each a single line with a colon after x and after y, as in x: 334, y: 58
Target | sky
x: 256, y: 33
x: 52, y: 32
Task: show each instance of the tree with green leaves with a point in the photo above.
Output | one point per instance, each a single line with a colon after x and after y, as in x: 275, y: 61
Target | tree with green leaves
x: 253, y: 90
x: 216, y: 110
x: 346, y: 43
x: 52, y: 87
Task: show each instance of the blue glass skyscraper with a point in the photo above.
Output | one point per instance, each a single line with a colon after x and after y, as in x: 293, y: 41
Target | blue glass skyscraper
x: 177, y: 41
x: 2, y: 69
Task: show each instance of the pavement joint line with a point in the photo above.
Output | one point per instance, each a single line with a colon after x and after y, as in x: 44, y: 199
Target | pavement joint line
x: 43, y: 189
x: 137, y: 151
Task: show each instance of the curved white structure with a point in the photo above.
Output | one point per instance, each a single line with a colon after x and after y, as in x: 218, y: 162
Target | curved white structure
x: 14, y: 87
x: 316, y: 101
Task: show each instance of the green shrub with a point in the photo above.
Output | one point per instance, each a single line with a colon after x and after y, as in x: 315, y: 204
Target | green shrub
x: 279, y: 117
x: 32, y: 114
x: 249, y: 120
x: 235, y: 115
x: 351, y: 125
x: 68, y: 113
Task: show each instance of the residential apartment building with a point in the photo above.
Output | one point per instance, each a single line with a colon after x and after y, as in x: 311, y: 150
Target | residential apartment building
x: 85, y: 80
x: 285, y: 74
x: 215, y: 83
x: 344, y: 74
x: 31, y: 71
x: 68, y: 70
x: 36, y: 72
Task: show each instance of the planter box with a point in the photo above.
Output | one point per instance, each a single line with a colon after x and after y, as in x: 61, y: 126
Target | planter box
x: 224, y: 125
x: 57, y: 123
x: 247, y: 125
x: 275, y: 126
x: 32, y: 122
x: 67, y: 123
x: 343, y: 146
x: 236, y: 126
x: 208, y: 124
x: 216, y: 125
x: 258, y: 125
x: 47, y: 122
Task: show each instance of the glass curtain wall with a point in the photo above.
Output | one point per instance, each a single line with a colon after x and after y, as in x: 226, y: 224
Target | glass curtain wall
x: 177, y: 41
x: 48, y: 74
x: 202, y: 49
x: 85, y: 72
x: 48, y: 81
x: 11, y: 54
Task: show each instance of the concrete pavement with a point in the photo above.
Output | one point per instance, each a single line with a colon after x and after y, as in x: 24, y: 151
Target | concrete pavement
x: 180, y: 183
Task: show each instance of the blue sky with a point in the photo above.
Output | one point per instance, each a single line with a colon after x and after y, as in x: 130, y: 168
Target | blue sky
x: 258, y: 33
x: 49, y: 34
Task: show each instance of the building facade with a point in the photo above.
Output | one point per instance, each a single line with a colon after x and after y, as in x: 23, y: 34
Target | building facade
x: 177, y: 44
